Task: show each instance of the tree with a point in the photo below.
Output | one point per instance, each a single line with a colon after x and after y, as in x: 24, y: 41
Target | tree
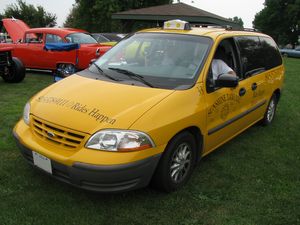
x: 280, y: 19
x: 237, y: 20
x: 33, y: 16
x: 95, y: 15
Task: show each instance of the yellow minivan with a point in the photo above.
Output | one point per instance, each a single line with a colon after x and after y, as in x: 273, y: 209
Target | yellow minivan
x: 151, y: 107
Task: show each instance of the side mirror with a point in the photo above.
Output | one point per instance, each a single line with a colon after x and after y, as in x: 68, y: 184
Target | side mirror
x: 227, y: 80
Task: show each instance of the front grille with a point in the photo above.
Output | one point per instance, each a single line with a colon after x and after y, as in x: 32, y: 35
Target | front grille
x: 56, y: 134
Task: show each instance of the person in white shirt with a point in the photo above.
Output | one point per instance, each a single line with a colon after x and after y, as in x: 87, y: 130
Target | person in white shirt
x: 219, y: 66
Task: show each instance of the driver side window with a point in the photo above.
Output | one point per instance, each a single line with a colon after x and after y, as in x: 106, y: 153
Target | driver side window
x: 225, y: 61
x: 34, y: 38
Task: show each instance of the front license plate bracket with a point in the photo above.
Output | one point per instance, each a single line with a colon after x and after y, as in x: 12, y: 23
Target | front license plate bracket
x: 42, y: 162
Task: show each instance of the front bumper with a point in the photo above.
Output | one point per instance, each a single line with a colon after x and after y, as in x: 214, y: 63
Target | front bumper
x: 108, y: 178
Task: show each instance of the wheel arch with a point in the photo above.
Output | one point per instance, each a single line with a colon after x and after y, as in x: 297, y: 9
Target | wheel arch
x: 277, y: 93
x: 196, y: 132
x: 160, y: 178
x: 64, y: 62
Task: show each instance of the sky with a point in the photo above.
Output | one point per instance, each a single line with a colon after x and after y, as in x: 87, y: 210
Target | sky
x: 245, y: 9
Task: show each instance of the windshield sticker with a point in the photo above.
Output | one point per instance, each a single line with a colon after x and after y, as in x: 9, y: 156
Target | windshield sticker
x: 92, y: 112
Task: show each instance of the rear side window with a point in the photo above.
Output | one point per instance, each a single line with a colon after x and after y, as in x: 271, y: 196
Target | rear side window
x: 271, y: 54
x: 252, y: 57
x: 52, y: 38
x: 257, y: 54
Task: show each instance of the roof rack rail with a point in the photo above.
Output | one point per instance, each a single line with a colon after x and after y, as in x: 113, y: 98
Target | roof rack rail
x: 251, y: 29
x: 245, y: 29
x: 207, y: 25
x: 226, y: 27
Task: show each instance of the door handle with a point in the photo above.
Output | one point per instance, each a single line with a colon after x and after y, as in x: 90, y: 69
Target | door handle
x: 254, y: 86
x: 242, y: 91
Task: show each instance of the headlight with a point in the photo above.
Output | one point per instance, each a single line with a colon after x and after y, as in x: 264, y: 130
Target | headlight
x: 26, y: 113
x: 119, y: 140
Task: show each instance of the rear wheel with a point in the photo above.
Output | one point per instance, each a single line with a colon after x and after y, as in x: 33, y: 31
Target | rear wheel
x: 65, y: 70
x: 14, y: 73
x: 177, y: 163
x: 270, y: 112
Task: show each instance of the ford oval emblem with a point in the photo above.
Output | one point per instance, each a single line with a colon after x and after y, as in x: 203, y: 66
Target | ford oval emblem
x: 50, y: 134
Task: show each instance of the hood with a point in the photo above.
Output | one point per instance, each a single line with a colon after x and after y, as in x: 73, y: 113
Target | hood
x: 88, y: 105
x: 15, y: 28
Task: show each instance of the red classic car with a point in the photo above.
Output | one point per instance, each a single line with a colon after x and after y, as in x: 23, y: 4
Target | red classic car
x: 29, y: 46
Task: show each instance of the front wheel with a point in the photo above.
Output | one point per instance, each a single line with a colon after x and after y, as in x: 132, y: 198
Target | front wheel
x: 14, y: 73
x: 270, y: 112
x: 177, y: 163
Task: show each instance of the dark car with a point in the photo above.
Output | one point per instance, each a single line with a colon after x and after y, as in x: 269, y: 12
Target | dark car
x: 11, y: 69
x: 290, y: 52
x: 108, y: 37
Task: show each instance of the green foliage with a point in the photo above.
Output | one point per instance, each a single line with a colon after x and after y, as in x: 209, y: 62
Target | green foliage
x: 280, y: 19
x: 95, y: 15
x: 237, y: 20
x: 33, y: 16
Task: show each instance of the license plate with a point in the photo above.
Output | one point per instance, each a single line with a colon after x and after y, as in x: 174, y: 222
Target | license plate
x: 42, y: 162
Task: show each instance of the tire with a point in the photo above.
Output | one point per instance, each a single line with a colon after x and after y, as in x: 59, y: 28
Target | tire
x: 65, y: 70
x: 15, y: 73
x: 270, y: 111
x: 176, y: 164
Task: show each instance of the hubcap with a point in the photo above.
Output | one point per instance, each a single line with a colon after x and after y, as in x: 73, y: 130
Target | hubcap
x: 7, y: 72
x: 181, y: 163
x: 271, y: 110
x: 66, y: 69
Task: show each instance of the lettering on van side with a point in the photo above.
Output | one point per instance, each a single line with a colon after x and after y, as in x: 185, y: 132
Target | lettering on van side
x: 200, y: 90
x: 92, y: 112
x: 223, y: 106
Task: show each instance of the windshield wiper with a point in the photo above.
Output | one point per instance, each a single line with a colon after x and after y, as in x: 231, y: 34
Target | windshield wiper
x: 132, y: 75
x: 102, y: 72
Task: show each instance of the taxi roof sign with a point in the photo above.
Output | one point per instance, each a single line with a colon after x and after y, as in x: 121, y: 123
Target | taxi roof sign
x: 177, y: 25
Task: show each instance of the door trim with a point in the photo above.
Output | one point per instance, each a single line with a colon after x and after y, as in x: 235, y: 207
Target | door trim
x: 232, y: 120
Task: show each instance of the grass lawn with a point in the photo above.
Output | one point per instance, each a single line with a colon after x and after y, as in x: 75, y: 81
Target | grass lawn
x: 254, y: 179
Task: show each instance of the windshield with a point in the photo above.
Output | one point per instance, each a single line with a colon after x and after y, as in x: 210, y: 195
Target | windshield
x: 80, y: 38
x: 169, y: 61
